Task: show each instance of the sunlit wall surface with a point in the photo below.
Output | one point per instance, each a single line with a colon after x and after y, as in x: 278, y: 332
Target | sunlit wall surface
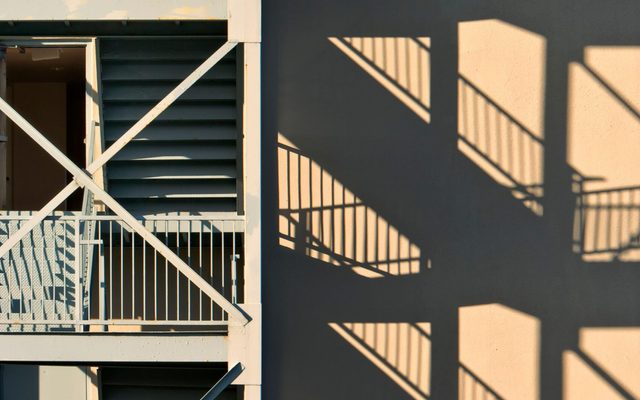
x: 603, y: 143
x: 605, y: 366
x: 501, y: 105
x: 499, y: 353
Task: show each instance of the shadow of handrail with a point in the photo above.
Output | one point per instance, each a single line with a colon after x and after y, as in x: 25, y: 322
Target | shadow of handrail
x: 474, y: 386
x: 400, y: 350
x: 501, y: 145
x: 604, y: 375
x: 323, y: 219
x: 399, y: 64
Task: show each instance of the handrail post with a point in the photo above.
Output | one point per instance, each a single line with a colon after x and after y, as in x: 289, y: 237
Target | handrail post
x: 76, y: 262
x: 102, y: 289
x: 234, y: 278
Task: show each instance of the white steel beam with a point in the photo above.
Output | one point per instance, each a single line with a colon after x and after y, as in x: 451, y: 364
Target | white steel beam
x: 244, y: 20
x: 109, y: 347
x: 58, y: 10
x: 223, y: 383
x: 246, y: 341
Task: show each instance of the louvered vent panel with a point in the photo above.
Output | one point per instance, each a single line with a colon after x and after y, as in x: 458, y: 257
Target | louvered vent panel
x: 186, y: 159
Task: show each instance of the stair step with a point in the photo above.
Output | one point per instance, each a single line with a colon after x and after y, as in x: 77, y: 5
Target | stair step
x: 149, y: 49
x: 176, y: 112
x: 175, y: 130
x: 203, y: 189
x: 170, y: 71
x: 173, y: 205
x: 168, y: 151
x: 131, y: 170
x: 156, y: 91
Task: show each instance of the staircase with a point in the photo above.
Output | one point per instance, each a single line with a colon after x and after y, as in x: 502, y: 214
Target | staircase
x: 186, y: 160
x: 160, y: 383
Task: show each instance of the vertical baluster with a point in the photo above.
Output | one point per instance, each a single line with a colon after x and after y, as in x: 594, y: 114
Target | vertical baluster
x: 200, y: 265
x: 12, y: 265
x: 32, y: 301
x: 190, y: 266
x: 222, y: 231
x: 234, y: 277
x: 102, y: 301
x: 78, y: 290
x: 155, y: 275
x: 84, y: 256
x: 121, y: 270
x: 133, y: 275
x: 166, y: 272
x: 144, y: 279
x: 211, y: 223
x: 111, y: 269
x: 177, y: 272
x: 42, y: 287
x: 53, y: 268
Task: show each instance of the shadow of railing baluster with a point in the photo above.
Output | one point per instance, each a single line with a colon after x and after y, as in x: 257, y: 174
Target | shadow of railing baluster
x: 471, y: 387
x: 501, y: 145
x: 607, y: 224
x: 400, y: 64
x: 324, y: 220
x: 401, y: 350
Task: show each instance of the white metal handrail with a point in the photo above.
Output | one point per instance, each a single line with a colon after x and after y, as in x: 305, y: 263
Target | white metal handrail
x: 132, y: 283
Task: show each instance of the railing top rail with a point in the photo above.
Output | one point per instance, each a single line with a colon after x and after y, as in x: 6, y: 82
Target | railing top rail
x: 73, y: 217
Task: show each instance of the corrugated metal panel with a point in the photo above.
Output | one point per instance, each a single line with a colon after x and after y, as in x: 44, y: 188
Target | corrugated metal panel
x: 186, y: 159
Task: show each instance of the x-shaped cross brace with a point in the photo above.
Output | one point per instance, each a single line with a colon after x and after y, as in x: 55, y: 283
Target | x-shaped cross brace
x: 82, y: 178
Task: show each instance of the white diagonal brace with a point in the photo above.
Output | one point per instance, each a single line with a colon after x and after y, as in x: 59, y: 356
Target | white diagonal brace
x: 84, y: 180
x: 179, y: 90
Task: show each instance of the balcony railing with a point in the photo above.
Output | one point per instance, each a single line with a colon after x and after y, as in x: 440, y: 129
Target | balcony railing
x: 78, y: 272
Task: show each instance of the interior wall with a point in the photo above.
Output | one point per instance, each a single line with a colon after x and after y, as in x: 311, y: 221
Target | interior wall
x: 49, y: 88
x: 35, y: 176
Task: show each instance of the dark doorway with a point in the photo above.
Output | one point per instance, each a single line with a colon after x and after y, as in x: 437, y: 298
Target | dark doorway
x: 46, y: 86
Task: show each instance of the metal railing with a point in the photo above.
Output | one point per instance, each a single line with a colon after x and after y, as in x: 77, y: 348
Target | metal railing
x: 44, y: 287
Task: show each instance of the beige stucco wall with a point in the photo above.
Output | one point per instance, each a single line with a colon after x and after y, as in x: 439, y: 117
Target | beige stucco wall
x: 331, y: 177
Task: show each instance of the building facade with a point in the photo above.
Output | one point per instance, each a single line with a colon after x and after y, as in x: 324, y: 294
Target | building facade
x: 434, y: 200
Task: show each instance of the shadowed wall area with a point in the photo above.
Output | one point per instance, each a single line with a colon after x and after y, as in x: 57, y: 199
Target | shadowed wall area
x: 480, y: 158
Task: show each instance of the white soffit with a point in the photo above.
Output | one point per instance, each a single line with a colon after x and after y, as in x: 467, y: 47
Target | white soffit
x: 51, y: 10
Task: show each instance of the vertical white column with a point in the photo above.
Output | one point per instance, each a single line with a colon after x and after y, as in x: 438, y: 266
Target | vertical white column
x: 245, y: 342
x: 252, y: 201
